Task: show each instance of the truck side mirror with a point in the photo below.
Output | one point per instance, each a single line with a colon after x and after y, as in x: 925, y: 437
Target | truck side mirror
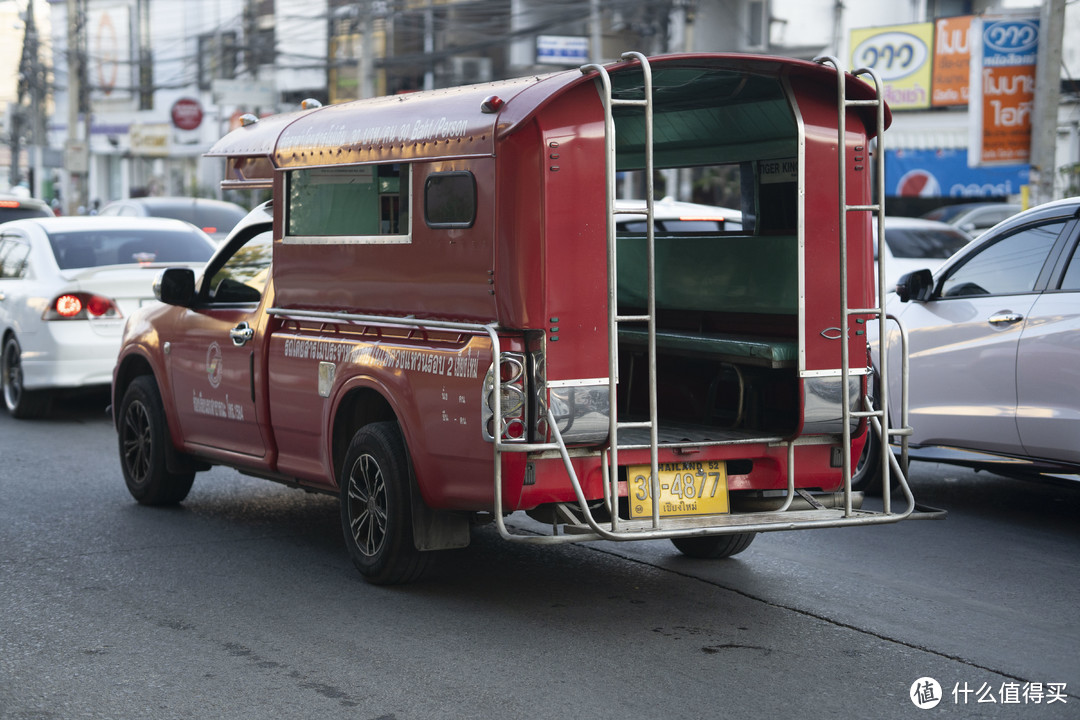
x: 175, y: 286
x: 918, y: 286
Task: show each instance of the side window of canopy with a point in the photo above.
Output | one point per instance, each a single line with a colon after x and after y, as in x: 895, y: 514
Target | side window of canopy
x: 349, y: 204
x: 450, y: 200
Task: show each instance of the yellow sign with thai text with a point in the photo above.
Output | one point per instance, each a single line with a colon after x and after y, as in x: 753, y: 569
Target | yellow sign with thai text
x: 901, y: 57
x: 952, y: 61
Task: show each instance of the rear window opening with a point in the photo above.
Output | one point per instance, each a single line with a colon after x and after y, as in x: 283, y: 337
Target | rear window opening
x: 727, y: 293
x: 97, y: 248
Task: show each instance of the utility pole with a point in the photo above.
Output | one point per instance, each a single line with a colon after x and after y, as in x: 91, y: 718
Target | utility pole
x: 429, y: 45
x: 596, y: 33
x: 838, y: 27
x: 76, y: 152
x: 38, y: 141
x: 16, y: 115
x: 1044, y: 119
x: 367, y: 54
x: 31, y: 87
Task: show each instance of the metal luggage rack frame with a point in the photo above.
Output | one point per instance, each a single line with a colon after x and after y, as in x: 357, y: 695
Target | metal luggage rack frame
x: 580, y: 522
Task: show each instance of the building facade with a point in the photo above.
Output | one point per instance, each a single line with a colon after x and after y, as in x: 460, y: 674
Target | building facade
x: 159, y: 81
x: 156, y: 82
x: 935, y: 150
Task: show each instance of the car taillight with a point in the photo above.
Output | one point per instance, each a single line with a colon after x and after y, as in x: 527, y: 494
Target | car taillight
x: 81, y: 306
x: 68, y: 306
x: 511, y: 387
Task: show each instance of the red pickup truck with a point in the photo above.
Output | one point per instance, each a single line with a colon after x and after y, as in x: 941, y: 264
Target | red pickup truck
x: 438, y: 318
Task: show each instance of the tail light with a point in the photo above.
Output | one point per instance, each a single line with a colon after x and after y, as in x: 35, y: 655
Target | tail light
x: 81, y: 306
x: 511, y: 387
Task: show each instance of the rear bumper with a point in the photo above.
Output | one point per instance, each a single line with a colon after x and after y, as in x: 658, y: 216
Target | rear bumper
x: 756, y: 466
x: 70, y: 354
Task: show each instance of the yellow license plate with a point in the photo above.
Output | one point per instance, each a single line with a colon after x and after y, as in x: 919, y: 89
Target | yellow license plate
x: 686, y: 488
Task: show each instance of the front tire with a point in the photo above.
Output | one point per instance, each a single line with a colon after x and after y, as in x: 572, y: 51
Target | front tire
x: 376, y: 514
x: 713, y: 547
x: 143, y: 432
x: 21, y: 403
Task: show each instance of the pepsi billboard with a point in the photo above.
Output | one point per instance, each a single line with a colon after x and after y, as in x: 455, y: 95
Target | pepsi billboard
x: 945, y: 173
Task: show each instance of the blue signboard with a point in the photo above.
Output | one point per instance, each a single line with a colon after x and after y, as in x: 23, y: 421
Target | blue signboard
x: 945, y: 173
x: 562, y: 49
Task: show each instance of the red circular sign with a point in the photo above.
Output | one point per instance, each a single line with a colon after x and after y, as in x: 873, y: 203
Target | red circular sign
x: 186, y: 114
x: 918, y: 183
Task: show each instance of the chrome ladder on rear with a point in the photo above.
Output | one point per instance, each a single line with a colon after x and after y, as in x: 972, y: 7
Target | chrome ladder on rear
x: 611, y: 457
x: 875, y: 408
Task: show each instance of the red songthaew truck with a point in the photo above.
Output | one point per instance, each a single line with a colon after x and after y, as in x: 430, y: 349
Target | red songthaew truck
x: 439, y: 317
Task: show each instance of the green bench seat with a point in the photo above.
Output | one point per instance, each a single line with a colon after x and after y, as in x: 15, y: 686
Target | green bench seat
x: 716, y: 275
x: 769, y: 352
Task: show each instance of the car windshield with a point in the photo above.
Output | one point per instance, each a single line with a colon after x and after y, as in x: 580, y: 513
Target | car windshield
x: 94, y: 248
x: 946, y: 213
x: 209, y: 218
x: 20, y: 212
x: 924, y: 243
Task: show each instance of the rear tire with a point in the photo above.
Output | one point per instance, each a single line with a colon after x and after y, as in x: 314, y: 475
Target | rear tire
x: 21, y: 403
x: 712, y: 547
x: 376, y: 514
x: 143, y: 432
x: 866, y: 475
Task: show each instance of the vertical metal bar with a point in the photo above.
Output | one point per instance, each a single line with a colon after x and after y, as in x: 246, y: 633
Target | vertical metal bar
x: 611, y: 470
x: 879, y: 199
x: 845, y: 371
x: 883, y: 361
x: 650, y: 251
x: 904, y: 419
x: 845, y: 360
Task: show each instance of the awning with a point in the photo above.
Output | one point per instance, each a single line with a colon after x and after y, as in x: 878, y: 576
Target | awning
x: 947, y: 130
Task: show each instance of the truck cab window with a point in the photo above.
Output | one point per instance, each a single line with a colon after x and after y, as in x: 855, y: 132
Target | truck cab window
x: 242, y: 278
x: 348, y: 204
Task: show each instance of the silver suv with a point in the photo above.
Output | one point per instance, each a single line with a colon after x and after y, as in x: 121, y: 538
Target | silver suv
x: 994, y: 339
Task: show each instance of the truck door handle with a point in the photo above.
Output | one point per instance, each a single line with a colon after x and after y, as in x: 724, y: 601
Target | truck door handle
x: 1005, y: 318
x: 241, y: 334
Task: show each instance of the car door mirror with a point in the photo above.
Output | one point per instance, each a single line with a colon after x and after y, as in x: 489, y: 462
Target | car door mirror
x: 918, y: 286
x: 175, y: 286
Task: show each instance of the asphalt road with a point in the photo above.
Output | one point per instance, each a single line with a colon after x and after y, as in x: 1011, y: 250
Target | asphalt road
x: 242, y: 603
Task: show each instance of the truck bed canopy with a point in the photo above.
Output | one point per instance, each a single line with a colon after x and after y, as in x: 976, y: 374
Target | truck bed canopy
x: 712, y: 108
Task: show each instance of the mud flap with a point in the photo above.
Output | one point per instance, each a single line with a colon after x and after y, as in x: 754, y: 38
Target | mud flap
x: 435, y: 529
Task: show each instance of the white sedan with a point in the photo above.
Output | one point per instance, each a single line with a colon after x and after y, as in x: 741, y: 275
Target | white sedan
x: 913, y: 244
x: 66, y: 286
x: 672, y: 216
